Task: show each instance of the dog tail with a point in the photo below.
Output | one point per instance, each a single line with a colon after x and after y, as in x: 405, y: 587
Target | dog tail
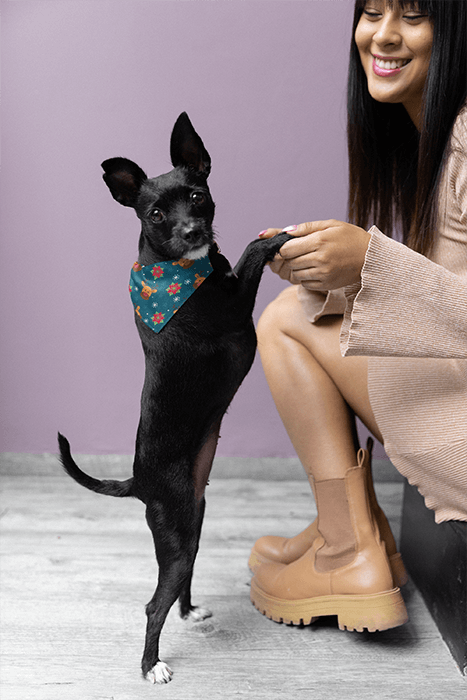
x: 106, y: 486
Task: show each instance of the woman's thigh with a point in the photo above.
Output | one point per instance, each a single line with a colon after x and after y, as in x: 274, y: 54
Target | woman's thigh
x: 285, y: 316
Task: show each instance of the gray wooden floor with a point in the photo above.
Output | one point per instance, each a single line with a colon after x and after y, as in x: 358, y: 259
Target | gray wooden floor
x: 77, y: 569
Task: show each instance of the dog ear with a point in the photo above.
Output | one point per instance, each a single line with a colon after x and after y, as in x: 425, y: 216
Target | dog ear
x: 124, y: 179
x: 186, y: 147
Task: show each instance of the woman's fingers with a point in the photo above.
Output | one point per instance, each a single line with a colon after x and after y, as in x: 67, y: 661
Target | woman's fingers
x: 299, y: 229
x: 322, y: 254
x: 304, y: 243
x: 299, y: 249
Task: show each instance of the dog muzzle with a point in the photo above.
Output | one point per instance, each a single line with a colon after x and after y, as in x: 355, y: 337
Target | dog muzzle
x: 158, y: 291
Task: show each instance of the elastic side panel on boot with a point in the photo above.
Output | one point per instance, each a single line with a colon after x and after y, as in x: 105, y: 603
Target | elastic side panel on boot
x: 335, y: 526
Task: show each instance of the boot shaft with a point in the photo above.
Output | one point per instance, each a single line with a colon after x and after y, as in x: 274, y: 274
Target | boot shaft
x: 350, y: 548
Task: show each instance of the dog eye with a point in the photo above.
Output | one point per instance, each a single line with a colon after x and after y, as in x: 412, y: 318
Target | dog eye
x: 198, y: 197
x: 157, y: 216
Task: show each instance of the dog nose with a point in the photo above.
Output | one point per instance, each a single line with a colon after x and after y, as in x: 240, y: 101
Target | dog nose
x: 187, y: 232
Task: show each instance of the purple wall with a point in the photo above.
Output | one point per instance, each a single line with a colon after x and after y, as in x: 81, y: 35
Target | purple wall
x: 264, y: 84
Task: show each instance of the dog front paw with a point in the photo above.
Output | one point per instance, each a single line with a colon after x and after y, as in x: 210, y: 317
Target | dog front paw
x: 273, y: 245
x: 159, y: 674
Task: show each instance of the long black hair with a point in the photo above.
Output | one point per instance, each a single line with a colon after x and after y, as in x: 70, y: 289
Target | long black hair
x: 395, y: 171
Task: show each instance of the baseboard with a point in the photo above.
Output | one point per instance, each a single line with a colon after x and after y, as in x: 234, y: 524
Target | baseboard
x: 436, y: 557
x: 120, y: 466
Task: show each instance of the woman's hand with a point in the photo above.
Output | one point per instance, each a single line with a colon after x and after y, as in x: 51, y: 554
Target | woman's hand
x: 325, y: 255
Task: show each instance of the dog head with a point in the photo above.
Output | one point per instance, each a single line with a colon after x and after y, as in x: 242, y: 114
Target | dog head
x: 176, y: 209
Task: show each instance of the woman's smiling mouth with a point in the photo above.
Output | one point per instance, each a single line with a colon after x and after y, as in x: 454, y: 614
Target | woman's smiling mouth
x: 388, y: 66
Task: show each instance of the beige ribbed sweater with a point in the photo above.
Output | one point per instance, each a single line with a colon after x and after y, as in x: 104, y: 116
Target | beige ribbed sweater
x: 409, y: 316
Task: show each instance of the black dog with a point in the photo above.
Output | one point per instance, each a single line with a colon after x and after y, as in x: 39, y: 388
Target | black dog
x: 194, y: 366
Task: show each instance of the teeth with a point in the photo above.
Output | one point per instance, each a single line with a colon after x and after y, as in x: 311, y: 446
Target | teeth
x: 390, y: 65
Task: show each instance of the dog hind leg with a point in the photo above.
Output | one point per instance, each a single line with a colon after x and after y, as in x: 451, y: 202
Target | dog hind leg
x: 201, y: 471
x: 176, y: 544
x: 176, y: 539
x: 188, y: 611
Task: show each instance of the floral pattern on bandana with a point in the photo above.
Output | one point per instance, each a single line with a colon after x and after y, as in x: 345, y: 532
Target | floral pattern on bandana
x: 158, y: 291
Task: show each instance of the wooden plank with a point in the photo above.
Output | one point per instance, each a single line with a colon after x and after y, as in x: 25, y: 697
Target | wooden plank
x: 77, y: 568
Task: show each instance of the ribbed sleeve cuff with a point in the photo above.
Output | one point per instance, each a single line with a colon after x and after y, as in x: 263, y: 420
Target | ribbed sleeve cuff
x: 405, y: 306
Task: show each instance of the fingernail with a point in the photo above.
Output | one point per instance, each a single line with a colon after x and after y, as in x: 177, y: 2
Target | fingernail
x: 289, y: 229
x: 262, y: 233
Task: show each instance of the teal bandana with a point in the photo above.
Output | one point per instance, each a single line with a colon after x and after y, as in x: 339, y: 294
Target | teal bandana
x: 158, y: 291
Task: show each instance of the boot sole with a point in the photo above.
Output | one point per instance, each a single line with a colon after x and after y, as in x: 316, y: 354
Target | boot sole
x: 376, y: 612
x: 399, y: 573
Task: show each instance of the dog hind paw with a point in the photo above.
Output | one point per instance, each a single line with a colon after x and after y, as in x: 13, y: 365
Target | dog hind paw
x: 160, y: 674
x: 197, y: 614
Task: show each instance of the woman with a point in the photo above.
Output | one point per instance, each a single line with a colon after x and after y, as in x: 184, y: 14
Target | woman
x: 373, y: 327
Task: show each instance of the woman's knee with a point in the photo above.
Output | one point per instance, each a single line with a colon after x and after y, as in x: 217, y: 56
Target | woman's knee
x: 272, y: 320
x: 285, y: 317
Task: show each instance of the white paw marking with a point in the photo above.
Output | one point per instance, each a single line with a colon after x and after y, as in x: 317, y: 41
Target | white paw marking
x: 160, y: 674
x: 199, y: 614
